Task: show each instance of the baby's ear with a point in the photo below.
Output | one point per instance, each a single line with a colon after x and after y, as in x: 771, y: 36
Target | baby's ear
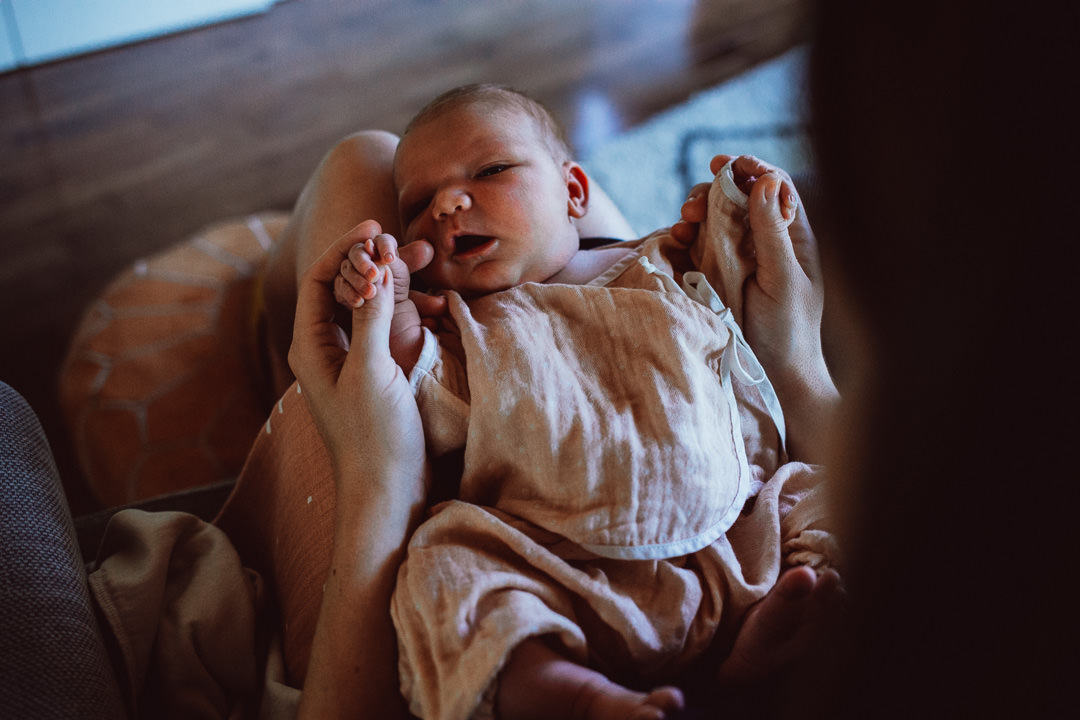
x: 577, y: 185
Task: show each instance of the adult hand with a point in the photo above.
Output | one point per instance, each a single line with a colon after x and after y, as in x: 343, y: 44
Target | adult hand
x: 785, y: 296
x: 784, y: 627
x: 783, y: 299
x: 357, y: 394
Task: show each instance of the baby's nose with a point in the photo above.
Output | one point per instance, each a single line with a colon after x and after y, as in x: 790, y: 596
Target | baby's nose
x: 451, y: 201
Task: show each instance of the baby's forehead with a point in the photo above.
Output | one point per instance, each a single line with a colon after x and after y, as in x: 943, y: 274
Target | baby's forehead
x: 489, y: 125
x: 486, y: 117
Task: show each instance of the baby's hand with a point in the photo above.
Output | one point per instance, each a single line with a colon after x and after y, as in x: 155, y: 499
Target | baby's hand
x: 361, y: 275
x: 362, y: 271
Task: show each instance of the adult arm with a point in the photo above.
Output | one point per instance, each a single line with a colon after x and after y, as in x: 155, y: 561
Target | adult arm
x: 368, y: 419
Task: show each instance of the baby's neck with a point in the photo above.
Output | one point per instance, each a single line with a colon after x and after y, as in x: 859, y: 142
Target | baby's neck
x: 587, y: 265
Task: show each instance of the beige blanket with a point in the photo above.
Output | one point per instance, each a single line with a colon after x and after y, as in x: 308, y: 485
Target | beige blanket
x: 187, y: 621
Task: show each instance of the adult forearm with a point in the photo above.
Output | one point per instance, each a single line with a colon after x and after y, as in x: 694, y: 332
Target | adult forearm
x: 353, y: 667
x: 810, y: 399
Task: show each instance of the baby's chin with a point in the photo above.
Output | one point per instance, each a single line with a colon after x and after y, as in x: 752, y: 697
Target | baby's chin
x: 471, y: 293
x: 477, y: 284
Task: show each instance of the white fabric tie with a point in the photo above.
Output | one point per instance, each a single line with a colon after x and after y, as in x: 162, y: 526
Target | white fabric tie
x: 738, y: 359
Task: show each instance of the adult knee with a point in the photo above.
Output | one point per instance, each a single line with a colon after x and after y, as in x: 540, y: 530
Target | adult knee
x: 366, y: 150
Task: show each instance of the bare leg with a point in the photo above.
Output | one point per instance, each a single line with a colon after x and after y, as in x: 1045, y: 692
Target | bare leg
x: 539, y: 683
x: 783, y: 626
x: 353, y: 183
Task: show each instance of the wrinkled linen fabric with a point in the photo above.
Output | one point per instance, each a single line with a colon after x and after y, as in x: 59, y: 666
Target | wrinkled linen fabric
x: 188, y: 621
x: 625, y: 486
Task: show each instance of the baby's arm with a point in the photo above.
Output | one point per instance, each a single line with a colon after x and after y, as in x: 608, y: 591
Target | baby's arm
x: 358, y: 280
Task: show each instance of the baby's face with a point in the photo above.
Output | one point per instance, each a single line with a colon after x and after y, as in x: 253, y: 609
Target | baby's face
x: 484, y: 189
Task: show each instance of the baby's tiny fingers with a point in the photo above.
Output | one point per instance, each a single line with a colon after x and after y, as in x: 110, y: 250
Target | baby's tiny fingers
x: 753, y: 165
x: 385, y: 248
x: 694, y: 210
x: 685, y: 233
x: 354, y: 276
x: 346, y: 294
x: 360, y: 282
x: 362, y: 259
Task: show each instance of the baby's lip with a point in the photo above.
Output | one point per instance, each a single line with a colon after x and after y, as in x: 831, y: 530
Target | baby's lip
x: 468, y: 245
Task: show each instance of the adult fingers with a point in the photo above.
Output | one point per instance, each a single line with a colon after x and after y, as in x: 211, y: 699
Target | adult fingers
x: 417, y: 255
x: 777, y: 265
x: 429, y: 306
x: 804, y: 243
x: 802, y: 239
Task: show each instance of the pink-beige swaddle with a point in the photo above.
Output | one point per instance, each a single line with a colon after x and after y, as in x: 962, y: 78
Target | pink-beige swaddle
x: 614, y: 434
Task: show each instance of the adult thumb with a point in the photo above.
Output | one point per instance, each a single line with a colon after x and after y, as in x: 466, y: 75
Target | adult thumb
x: 776, y: 260
x: 417, y: 254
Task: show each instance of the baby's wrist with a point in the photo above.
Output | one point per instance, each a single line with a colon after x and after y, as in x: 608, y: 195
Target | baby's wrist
x: 406, y: 345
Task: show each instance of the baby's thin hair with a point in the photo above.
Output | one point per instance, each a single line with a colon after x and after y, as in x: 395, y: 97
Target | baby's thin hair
x: 500, y: 97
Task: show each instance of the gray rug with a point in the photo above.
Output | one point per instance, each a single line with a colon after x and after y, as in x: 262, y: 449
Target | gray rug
x: 649, y: 169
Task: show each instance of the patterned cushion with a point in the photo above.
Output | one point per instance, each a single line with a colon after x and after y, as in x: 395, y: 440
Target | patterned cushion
x: 163, y: 387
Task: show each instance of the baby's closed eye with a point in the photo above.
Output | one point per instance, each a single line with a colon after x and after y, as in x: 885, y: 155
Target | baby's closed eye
x: 495, y: 169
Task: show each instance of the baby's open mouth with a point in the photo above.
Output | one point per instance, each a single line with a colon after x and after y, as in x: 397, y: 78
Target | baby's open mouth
x: 466, y: 244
